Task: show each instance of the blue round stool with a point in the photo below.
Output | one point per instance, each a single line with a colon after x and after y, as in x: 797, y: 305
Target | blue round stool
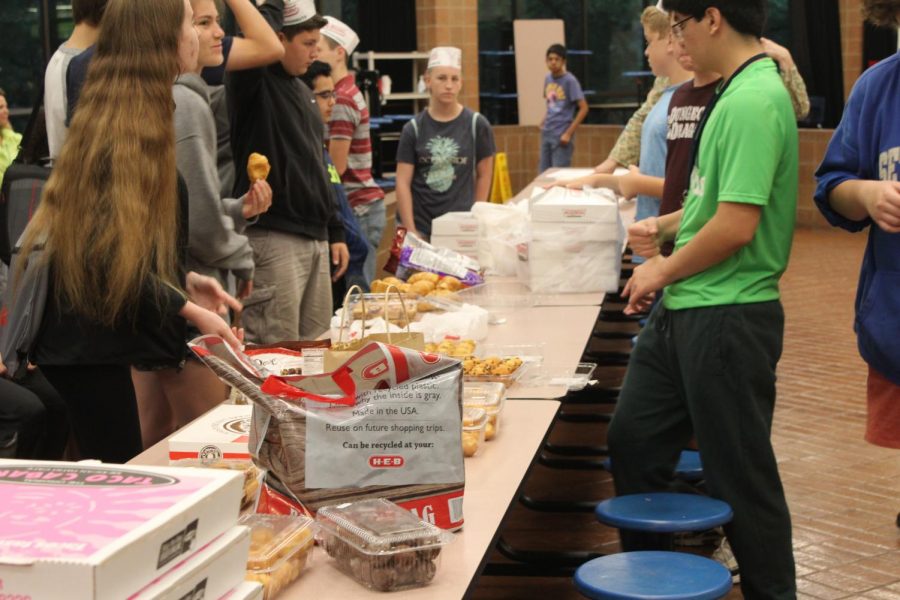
x: 663, y: 512
x: 689, y: 467
x: 653, y: 576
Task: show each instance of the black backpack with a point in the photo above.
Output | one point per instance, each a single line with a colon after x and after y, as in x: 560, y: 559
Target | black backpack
x: 23, y: 181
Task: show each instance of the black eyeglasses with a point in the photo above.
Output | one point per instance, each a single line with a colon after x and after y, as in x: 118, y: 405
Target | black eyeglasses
x: 326, y: 95
x: 678, y: 27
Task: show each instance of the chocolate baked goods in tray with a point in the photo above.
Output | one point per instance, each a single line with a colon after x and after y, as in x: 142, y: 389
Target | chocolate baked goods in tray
x: 381, y: 545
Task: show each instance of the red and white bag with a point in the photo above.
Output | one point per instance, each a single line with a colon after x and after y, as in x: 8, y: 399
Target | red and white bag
x: 386, y: 424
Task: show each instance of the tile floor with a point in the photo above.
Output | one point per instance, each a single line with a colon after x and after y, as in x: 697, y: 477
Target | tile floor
x: 844, y: 494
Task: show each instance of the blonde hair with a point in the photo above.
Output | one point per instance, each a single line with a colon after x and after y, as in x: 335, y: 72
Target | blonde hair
x: 656, y: 21
x: 110, y: 208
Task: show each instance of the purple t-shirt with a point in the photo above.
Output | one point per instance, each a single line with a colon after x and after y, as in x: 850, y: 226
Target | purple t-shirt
x: 562, y: 95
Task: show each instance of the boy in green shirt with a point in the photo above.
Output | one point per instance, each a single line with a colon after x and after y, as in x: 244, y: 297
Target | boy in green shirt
x: 705, y: 363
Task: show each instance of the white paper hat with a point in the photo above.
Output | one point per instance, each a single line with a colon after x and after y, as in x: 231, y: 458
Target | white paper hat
x: 339, y: 32
x: 445, y: 56
x: 298, y: 11
x: 659, y: 7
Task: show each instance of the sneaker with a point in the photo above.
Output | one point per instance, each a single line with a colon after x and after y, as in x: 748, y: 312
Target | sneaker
x: 725, y: 557
x: 709, y: 537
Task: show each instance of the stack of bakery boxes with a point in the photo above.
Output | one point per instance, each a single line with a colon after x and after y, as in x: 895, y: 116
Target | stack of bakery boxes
x: 92, y: 531
x: 458, y: 231
x: 575, y: 243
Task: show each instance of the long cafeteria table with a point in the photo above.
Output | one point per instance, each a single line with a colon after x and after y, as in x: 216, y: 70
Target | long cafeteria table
x: 493, y: 480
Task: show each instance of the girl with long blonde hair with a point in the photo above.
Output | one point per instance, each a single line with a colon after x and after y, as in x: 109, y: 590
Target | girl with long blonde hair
x: 114, y: 217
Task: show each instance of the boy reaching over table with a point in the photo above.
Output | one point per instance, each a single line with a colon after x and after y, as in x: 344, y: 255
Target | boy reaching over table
x: 705, y: 363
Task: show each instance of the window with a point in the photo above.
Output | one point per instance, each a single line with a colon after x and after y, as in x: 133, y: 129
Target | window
x: 610, y: 65
x: 32, y: 30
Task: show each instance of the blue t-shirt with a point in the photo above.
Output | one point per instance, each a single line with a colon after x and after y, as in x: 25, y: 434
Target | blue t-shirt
x: 866, y: 146
x: 653, y: 151
x: 562, y: 95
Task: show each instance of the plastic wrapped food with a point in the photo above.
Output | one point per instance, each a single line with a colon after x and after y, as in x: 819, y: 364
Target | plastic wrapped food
x: 505, y: 370
x: 489, y: 396
x: 381, y: 545
x: 474, y: 428
x: 280, y: 547
x: 454, y: 348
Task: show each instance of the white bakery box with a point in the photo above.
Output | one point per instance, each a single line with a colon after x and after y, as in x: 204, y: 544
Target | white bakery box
x: 575, y: 243
x: 220, y: 434
x: 92, y: 531
x: 248, y: 590
x: 458, y: 231
x: 212, y: 572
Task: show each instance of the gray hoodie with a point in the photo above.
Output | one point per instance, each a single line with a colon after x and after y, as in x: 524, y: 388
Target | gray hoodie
x: 216, y: 224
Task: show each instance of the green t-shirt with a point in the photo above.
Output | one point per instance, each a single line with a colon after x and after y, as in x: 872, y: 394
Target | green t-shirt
x: 748, y: 154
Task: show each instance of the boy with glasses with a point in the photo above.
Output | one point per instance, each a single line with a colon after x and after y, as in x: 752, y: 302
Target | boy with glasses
x: 705, y: 363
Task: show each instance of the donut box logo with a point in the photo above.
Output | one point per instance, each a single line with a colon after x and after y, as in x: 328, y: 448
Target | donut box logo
x: 240, y: 426
x: 209, y: 455
x: 53, y: 475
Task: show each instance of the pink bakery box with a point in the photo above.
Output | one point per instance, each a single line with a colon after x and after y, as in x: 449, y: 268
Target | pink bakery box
x: 220, y: 434
x: 248, y: 590
x: 210, y: 572
x: 89, y: 531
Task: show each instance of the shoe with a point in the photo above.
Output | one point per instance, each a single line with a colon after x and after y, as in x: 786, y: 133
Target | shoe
x: 725, y: 557
x: 699, y: 538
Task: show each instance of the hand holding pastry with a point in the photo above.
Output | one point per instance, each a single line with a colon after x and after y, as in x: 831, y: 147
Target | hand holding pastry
x: 258, y: 199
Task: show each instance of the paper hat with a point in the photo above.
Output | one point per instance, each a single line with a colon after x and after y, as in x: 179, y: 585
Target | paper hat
x: 298, y: 11
x: 445, y: 56
x: 338, y: 32
x: 659, y: 7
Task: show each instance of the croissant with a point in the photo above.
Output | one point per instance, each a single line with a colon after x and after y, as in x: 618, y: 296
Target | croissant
x: 257, y: 167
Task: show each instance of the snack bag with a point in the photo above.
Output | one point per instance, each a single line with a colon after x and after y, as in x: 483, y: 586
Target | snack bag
x: 385, y: 424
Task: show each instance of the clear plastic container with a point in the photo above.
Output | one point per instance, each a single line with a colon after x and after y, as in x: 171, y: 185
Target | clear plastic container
x: 489, y: 396
x: 381, y: 545
x: 474, y: 428
x: 280, y: 549
x: 391, y: 308
x: 453, y: 347
x: 500, y: 369
x: 498, y: 294
x: 578, y: 379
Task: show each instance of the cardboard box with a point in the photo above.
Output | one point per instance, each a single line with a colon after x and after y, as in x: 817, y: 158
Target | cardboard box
x: 220, y: 434
x: 457, y: 224
x: 211, y: 572
x: 464, y: 245
x: 246, y: 591
x: 562, y: 205
x: 85, y: 531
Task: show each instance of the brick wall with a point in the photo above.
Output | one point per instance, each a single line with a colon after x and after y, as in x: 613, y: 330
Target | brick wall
x: 594, y: 142
x: 851, y: 41
x: 452, y: 23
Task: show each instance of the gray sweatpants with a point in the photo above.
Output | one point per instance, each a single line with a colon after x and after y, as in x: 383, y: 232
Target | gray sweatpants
x: 291, y: 297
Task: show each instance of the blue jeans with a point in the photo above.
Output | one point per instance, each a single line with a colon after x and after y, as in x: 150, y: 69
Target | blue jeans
x: 554, y: 154
x: 372, y: 225
x: 647, y: 206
